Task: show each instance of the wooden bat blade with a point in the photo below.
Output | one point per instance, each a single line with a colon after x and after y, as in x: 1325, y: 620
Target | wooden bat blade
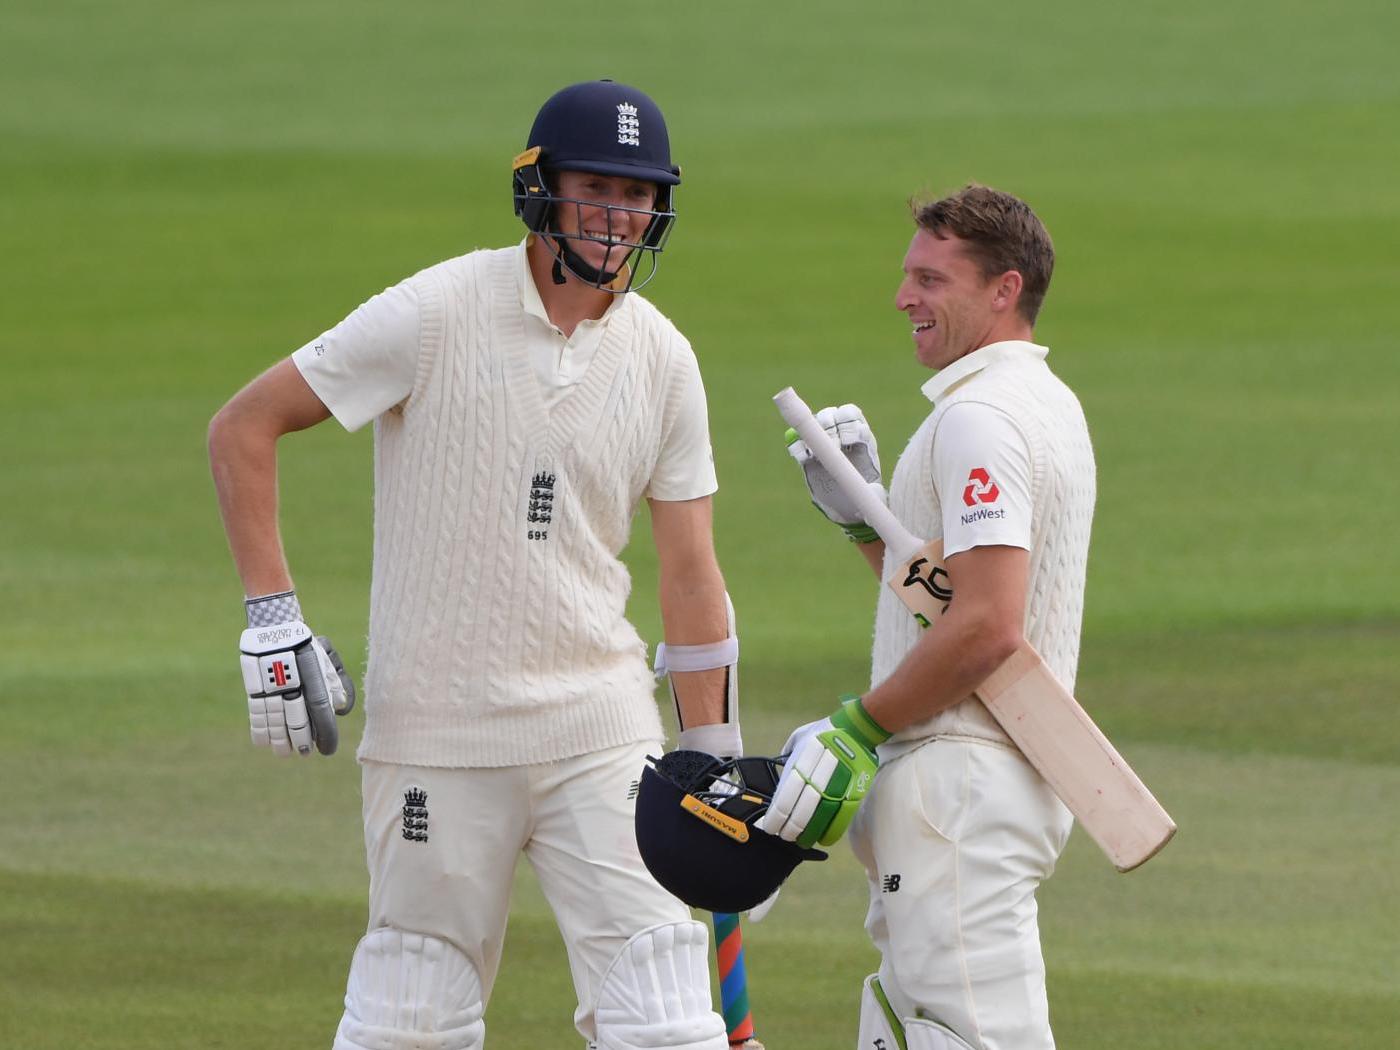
x: 1042, y: 718
x: 1080, y: 764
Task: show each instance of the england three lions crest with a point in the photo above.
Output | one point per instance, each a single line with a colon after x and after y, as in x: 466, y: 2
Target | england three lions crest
x: 415, y: 815
x: 629, y: 125
x: 539, y: 508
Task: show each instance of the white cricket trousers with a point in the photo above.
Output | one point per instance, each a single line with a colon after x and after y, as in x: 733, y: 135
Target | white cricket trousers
x: 956, y: 836
x: 444, y: 867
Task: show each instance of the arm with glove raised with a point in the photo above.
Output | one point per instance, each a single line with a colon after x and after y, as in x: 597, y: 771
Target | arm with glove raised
x: 848, y: 428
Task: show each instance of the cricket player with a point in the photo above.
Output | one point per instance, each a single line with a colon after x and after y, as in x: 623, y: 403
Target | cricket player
x: 958, y: 830
x: 524, y: 401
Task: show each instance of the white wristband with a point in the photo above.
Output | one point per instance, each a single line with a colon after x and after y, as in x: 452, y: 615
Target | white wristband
x: 264, y: 610
x: 722, y: 740
x: 695, y: 657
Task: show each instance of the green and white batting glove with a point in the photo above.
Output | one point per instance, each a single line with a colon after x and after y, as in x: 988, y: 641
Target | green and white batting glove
x: 848, y: 428
x: 829, y: 767
x: 296, y: 682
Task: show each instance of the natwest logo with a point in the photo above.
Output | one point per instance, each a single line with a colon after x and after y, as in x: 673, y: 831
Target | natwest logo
x: 980, y: 488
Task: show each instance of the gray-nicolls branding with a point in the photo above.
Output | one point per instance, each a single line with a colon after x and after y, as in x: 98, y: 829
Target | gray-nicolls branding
x: 282, y: 634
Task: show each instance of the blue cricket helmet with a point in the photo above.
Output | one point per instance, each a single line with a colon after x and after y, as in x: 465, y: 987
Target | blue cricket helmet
x: 606, y: 128
x: 695, y: 832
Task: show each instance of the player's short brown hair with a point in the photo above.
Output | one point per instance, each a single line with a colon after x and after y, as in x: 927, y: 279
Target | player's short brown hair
x: 1002, y: 233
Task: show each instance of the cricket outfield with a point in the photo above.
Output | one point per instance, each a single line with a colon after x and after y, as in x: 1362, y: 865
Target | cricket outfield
x: 189, y: 192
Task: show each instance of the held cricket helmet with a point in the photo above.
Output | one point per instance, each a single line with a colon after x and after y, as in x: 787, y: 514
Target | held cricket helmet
x: 695, y: 816
x: 605, y: 128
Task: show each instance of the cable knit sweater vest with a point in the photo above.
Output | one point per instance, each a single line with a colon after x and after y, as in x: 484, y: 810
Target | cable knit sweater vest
x: 497, y: 628
x: 1063, y: 488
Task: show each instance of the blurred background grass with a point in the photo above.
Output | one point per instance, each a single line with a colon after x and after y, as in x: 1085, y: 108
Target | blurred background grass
x: 188, y: 192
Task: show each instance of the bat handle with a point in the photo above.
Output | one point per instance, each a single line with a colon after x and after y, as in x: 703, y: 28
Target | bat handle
x: 733, y: 981
x: 902, y: 543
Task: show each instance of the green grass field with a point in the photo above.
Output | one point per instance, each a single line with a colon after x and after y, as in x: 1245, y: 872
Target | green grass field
x: 188, y: 192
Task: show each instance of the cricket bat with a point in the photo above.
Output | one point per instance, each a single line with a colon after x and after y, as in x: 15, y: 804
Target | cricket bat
x: 1039, y: 714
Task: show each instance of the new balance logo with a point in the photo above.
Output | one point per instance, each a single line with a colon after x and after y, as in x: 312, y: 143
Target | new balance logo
x: 415, y: 815
x: 890, y: 884
x: 632, y: 789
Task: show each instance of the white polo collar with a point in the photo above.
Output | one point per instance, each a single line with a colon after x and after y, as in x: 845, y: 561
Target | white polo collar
x: 970, y: 364
x: 530, y: 299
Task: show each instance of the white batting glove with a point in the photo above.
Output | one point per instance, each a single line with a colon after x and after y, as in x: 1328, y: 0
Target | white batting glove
x: 828, y: 769
x: 296, y: 682
x: 848, y: 428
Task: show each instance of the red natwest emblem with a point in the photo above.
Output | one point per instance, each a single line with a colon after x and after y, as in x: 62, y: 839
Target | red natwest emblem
x: 980, y: 488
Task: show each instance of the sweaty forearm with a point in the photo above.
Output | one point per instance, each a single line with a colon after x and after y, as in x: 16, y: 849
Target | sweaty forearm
x: 243, y: 460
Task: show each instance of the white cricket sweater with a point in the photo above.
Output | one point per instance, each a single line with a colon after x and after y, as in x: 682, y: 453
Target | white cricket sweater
x: 497, y: 628
x: 1014, y: 378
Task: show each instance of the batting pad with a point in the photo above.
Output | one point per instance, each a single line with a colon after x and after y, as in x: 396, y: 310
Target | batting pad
x: 880, y: 1027
x: 656, y: 993
x: 878, y: 1024
x: 407, y: 989
x: 922, y: 1034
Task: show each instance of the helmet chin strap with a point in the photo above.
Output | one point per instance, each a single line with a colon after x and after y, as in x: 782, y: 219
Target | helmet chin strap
x: 577, y: 265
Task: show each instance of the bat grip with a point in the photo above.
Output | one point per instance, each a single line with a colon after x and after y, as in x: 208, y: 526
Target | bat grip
x: 733, y: 980
x: 902, y: 543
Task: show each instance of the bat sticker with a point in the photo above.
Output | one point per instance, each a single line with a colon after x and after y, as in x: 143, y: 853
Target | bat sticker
x: 935, y: 583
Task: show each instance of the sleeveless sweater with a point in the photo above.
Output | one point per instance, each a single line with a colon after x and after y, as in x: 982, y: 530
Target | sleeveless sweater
x: 1062, y: 498
x: 497, y: 627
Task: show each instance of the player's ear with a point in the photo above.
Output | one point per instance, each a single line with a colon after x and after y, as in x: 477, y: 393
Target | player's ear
x: 1008, y: 290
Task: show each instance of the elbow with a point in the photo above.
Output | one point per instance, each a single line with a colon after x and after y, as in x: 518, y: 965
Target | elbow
x: 225, y: 432
x: 233, y: 434
x: 1003, y: 643
x: 216, y: 437
x: 996, y: 641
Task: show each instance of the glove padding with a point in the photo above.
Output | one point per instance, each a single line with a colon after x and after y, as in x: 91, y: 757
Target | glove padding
x: 848, y: 428
x: 830, y: 766
x: 296, y: 685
